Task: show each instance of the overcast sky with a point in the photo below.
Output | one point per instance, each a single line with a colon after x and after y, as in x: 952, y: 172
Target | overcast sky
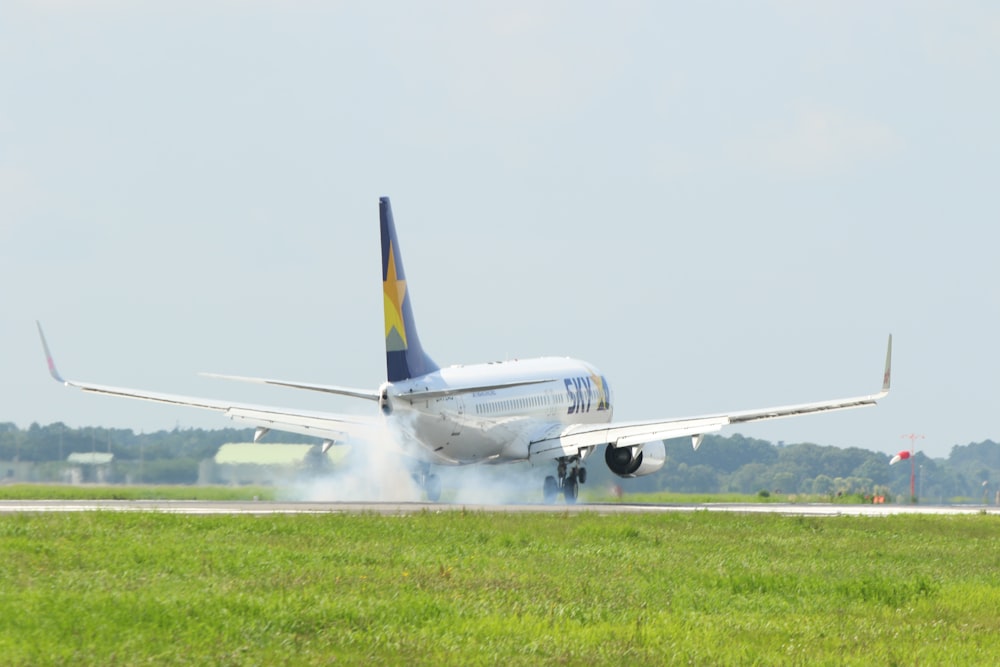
x: 720, y: 205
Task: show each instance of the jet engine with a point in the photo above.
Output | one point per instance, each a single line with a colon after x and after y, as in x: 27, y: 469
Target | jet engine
x: 383, y: 400
x: 635, y: 461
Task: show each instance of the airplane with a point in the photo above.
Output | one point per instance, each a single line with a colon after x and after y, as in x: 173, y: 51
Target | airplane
x: 543, y: 411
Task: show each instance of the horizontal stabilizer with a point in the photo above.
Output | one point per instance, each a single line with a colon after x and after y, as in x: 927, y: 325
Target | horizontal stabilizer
x: 326, y: 388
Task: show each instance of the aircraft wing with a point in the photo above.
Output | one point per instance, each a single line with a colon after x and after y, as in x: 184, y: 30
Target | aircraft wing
x: 578, y: 439
x: 569, y: 440
x: 334, y: 427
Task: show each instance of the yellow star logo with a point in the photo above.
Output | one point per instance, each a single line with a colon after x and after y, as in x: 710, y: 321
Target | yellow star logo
x: 598, y: 384
x: 394, y: 291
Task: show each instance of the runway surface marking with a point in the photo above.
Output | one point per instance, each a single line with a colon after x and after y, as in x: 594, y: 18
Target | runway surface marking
x: 313, y: 507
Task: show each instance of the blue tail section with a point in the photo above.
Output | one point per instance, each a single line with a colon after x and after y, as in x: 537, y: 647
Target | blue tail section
x: 404, y: 357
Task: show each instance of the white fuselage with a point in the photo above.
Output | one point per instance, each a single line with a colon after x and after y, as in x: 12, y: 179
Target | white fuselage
x: 485, y: 421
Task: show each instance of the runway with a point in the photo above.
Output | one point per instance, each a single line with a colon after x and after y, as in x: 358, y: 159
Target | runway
x: 400, y: 508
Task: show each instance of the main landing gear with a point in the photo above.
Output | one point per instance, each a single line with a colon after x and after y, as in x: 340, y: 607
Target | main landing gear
x: 569, y: 475
x: 429, y: 482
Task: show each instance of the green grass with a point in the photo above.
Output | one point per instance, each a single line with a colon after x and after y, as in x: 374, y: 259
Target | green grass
x: 668, y: 498
x: 473, y: 588
x: 193, y: 492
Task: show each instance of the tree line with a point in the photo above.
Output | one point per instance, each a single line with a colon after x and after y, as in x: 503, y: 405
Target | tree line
x: 738, y: 464
x: 159, y: 457
x: 722, y: 464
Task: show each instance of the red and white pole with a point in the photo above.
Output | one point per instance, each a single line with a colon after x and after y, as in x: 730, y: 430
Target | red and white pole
x: 913, y: 468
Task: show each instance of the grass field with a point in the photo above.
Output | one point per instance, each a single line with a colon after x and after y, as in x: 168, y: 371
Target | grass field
x: 199, y: 492
x: 473, y: 588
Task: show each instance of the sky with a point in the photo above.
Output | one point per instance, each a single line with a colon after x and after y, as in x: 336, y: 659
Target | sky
x: 720, y: 205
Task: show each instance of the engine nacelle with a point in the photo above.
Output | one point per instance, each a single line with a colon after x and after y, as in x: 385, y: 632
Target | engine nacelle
x: 383, y: 400
x: 625, y: 463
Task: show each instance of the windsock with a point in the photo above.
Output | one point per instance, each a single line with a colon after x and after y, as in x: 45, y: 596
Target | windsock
x: 905, y: 454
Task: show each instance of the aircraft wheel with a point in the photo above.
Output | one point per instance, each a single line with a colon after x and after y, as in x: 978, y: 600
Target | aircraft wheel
x: 581, y: 475
x: 570, y: 489
x: 432, y: 487
x: 550, y: 490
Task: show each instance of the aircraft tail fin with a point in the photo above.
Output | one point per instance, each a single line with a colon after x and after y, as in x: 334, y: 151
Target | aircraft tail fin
x: 404, y: 356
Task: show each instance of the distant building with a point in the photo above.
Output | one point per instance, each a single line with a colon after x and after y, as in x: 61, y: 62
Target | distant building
x: 17, y: 471
x: 261, y: 463
x: 94, y: 467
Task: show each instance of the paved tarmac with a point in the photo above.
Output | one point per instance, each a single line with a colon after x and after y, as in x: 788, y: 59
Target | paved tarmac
x: 285, y: 507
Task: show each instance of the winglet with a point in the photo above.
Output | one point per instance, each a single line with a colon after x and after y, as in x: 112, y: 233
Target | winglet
x: 405, y: 357
x: 48, y: 355
x: 888, y: 367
